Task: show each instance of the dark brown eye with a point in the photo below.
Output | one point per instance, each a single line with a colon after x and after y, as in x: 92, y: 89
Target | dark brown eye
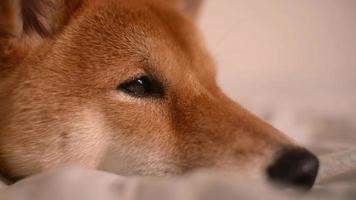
x: 142, y: 87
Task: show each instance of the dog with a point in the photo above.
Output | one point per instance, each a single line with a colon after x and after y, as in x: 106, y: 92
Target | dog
x: 126, y: 87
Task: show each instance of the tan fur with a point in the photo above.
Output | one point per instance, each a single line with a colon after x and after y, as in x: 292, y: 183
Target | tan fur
x: 59, y: 103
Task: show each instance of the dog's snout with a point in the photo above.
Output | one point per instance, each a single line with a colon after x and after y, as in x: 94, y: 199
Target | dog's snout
x: 296, y: 167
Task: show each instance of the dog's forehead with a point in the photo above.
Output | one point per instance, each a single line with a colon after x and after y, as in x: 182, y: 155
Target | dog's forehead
x: 155, y: 33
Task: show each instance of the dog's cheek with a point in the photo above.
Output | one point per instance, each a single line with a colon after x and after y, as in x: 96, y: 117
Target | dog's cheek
x: 137, y: 151
x: 87, y: 139
x: 135, y: 157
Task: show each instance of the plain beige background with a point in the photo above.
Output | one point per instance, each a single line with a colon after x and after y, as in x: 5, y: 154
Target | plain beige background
x: 290, y: 61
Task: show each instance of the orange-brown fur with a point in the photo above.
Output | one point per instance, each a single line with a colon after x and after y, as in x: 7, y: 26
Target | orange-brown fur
x: 59, y: 103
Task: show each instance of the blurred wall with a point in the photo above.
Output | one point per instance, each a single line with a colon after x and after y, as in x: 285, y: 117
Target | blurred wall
x: 291, y: 55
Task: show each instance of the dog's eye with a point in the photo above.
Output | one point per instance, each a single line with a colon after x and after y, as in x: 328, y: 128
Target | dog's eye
x: 142, y: 87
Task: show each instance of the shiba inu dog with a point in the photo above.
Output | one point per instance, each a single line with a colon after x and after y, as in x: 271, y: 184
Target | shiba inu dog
x: 125, y: 86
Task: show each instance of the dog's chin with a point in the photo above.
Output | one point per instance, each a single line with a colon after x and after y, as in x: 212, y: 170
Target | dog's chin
x: 155, y: 169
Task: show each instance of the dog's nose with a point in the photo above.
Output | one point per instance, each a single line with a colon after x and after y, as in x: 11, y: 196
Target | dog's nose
x: 295, y: 167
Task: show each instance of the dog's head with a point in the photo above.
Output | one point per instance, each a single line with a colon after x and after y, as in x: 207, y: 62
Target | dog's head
x: 127, y: 87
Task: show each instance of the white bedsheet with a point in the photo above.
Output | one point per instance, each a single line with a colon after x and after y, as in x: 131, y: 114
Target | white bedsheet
x: 73, y: 183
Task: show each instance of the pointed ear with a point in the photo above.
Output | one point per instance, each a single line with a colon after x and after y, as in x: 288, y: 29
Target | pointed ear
x: 46, y: 17
x: 21, y: 19
x: 190, y: 7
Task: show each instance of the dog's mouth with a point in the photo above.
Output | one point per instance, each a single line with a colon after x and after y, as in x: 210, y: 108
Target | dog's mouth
x: 6, y: 179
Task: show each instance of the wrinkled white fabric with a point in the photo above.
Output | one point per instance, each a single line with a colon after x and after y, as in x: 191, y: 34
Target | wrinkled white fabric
x: 73, y: 183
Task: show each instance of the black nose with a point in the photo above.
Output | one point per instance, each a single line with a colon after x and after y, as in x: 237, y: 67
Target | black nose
x: 295, y: 167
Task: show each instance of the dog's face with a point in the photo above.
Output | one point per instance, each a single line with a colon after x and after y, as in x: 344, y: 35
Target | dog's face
x: 127, y: 87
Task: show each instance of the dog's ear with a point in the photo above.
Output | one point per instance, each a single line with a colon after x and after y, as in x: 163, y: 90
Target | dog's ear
x: 189, y: 7
x: 26, y: 19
